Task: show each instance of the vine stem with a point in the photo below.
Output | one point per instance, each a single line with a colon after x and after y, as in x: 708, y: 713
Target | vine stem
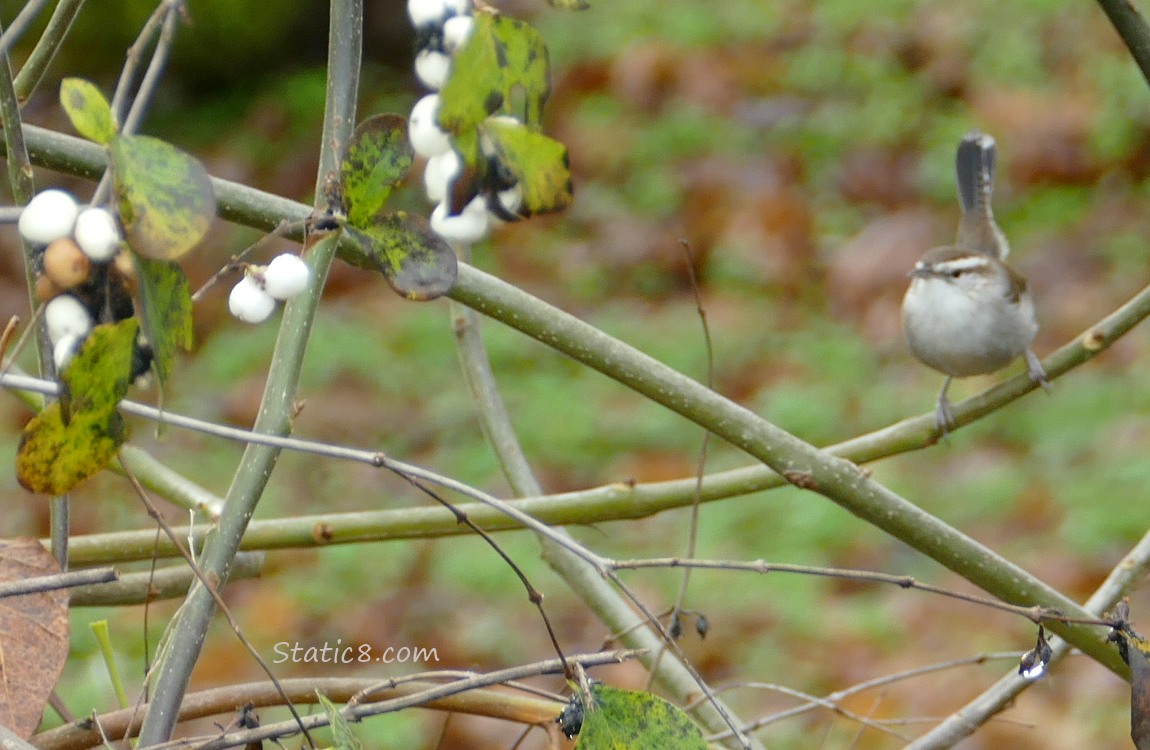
x: 258, y: 461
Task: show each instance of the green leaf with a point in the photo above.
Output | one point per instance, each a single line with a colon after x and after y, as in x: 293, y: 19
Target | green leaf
x: 76, y: 436
x: 635, y: 720
x: 164, y: 195
x: 89, y: 111
x: 569, y: 4
x: 538, y: 163
x: 341, y: 733
x: 417, y: 262
x: 502, y: 68
x: 166, y: 307
x: 377, y: 158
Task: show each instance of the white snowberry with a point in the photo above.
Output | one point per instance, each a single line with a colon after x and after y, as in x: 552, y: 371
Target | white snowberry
x: 427, y: 139
x: 65, y: 349
x: 426, y: 12
x: 249, y: 302
x: 458, y: 7
x: 455, y: 32
x: 97, y: 234
x: 49, y: 216
x: 432, y: 67
x: 440, y: 173
x: 469, y: 226
x: 65, y: 316
x: 286, y: 276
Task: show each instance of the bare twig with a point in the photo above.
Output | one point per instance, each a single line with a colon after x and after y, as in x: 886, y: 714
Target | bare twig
x: 211, y: 586
x: 832, y: 700
x: 46, y: 47
x: 223, y: 700
x: 1034, y: 614
x: 20, y: 181
x: 20, y: 24
x: 274, y: 418
x: 420, y: 697
x: 164, y: 583
x: 71, y: 579
x: 701, y: 464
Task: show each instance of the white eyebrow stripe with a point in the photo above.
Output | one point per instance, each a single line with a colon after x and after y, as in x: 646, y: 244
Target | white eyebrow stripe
x: 961, y: 264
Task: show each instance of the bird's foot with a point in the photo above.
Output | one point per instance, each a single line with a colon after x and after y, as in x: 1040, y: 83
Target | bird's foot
x: 1036, y: 371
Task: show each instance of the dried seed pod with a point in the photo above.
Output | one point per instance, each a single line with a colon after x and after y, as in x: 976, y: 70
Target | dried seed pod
x: 124, y: 266
x: 66, y: 264
x: 46, y: 289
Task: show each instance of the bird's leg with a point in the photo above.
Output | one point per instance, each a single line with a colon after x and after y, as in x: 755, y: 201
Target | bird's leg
x: 1036, y: 371
x: 943, y: 413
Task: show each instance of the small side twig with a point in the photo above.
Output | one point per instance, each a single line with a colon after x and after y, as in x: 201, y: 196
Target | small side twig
x: 71, y: 579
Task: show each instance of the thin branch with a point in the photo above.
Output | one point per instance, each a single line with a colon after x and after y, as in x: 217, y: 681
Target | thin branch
x: 211, y: 587
x: 166, y: 583
x: 1034, y: 614
x: 577, y: 569
x: 417, y: 698
x: 1131, y: 25
x: 701, y: 463
x: 811, y: 702
x: 46, y: 48
x: 20, y: 24
x: 151, y: 80
x: 20, y: 180
x: 833, y: 700
x: 133, y: 59
x: 68, y: 580
x: 372, y: 458
x: 274, y: 418
x: 224, y: 700
x: 161, y: 23
x: 960, y: 724
x: 533, y: 594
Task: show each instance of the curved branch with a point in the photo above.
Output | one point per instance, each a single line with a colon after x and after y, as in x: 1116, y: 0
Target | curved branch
x: 258, y: 461
x: 489, y: 702
x: 1131, y: 25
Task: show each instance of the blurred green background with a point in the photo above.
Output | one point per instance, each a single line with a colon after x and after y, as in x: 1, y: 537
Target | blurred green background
x: 804, y: 151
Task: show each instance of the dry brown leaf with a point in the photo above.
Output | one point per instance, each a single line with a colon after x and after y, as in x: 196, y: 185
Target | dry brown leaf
x: 33, y: 636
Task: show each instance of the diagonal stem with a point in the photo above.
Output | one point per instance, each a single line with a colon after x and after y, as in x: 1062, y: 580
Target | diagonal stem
x: 258, y: 461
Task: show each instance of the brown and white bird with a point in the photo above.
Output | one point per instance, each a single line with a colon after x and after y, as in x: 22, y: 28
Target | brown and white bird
x: 966, y: 311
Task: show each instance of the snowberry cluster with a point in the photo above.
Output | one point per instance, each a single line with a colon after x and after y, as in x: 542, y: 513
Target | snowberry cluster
x: 84, y: 272
x: 254, y: 298
x: 442, y: 27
